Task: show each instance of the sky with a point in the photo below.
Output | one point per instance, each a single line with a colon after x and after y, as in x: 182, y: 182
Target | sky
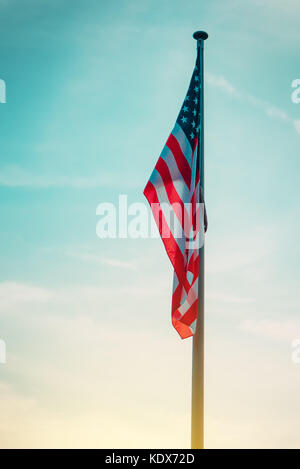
x: 93, y: 90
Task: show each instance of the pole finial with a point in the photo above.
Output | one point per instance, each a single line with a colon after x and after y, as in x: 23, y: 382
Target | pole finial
x: 200, y: 35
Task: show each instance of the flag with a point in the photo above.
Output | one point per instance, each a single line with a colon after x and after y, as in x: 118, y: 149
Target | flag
x: 175, y: 196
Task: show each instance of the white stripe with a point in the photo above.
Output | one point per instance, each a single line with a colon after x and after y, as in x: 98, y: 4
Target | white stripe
x: 190, y: 277
x: 183, y: 308
x: 183, y: 142
x: 187, y: 304
x: 193, y: 326
x: 177, y: 179
x: 193, y: 293
x: 191, y: 296
x: 175, y: 281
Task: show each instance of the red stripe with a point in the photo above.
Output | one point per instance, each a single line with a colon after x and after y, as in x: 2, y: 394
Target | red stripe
x: 193, y: 265
x: 183, y: 330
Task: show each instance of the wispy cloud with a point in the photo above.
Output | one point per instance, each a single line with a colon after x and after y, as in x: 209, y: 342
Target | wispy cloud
x: 70, y: 362
x: 16, y: 176
x: 14, y: 294
x: 241, y: 250
x: 220, y: 82
x: 270, y: 110
x: 118, y: 263
x: 228, y: 298
x: 279, y: 330
x: 110, y: 262
x: 22, y: 298
x: 297, y: 125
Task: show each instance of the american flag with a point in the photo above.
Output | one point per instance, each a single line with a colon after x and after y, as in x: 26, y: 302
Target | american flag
x: 174, y: 193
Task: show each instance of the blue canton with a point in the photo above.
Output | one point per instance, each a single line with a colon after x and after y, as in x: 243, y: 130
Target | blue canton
x: 189, y: 118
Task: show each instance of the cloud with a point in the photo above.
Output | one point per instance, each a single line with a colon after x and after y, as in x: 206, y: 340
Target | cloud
x: 61, y: 384
x: 271, y: 111
x: 277, y: 113
x: 278, y: 330
x: 13, y: 294
x: 291, y: 8
x: 16, y: 176
x: 93, y: 299
x: 110, y: 262
x: 224, y: 298
x: 221, y: 82
x: 245, y: 249
x: 118, y: 263
x: 297, y: 125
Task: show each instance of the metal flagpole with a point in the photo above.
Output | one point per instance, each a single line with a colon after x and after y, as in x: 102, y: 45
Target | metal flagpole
x: 197, y: 434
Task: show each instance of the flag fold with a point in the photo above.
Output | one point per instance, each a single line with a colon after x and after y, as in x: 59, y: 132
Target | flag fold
x: 175, y: 196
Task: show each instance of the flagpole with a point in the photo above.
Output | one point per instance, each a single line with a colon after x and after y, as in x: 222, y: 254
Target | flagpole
x: 197, y: 430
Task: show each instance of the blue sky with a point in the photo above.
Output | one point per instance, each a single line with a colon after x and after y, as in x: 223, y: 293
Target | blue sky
x: 93, y: 90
